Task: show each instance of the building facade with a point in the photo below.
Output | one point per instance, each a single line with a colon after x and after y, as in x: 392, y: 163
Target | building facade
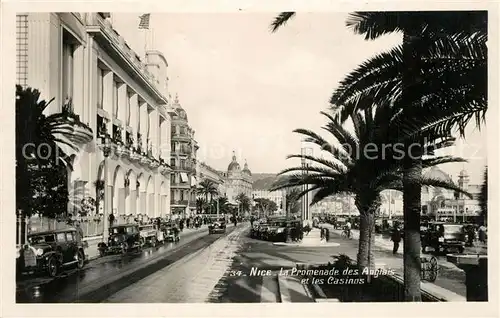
x: 275, y: 196
x: 183, y: 162
x: 237, y: 180
x: 80, y: 59
x: 206, y: 172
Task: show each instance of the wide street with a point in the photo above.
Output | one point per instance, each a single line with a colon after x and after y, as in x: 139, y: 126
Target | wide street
x: 208, y: 268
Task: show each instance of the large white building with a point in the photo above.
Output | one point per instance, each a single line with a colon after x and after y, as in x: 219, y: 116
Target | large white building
x: 237, y: 181
x: 80, y: 57
x: 437, y: 203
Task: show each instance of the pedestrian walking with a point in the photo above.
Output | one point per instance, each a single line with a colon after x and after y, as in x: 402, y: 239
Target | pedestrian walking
x: 395, y: 238
x: 482, y: 234
x: 111, y: 219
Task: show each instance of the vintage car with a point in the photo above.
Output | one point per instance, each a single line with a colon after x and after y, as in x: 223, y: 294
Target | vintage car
x: 170, y: 232
x: 218, y: 226
x: 254, y: 231
x: 262, y: 230
x: 276, y: 231
x: 150, y: 235
x: 50, y: 252
x: 443, y: 237
x: 122, y: 239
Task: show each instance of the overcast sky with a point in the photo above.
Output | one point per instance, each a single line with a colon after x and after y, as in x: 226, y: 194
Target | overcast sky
x: 245, y: 88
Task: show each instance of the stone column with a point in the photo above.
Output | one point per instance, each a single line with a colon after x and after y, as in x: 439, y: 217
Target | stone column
x: 151, y: 205
x: 78, y: 82
x: 144, y: 117
x: 133, y: 201
x: 142, y: 209
x: 121, y: 200
x: 134, y: 116
x: 44, y: 52
x: 122, y: 105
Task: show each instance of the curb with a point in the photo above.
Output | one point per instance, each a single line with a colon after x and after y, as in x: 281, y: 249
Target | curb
x: 307, y: 245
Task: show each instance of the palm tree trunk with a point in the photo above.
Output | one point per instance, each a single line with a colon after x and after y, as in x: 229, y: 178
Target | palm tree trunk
x: 365, y: 257
x: 412, y: 165
x: 411, y: 212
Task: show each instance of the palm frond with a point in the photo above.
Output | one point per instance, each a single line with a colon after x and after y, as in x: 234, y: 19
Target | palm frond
x: 281, y: 20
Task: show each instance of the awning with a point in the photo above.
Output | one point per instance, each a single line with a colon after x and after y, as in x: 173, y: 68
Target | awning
x: 184, y: 177
x: 193, y: 181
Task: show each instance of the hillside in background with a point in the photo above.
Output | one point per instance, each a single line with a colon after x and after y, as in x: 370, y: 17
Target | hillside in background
x: 263, y: 181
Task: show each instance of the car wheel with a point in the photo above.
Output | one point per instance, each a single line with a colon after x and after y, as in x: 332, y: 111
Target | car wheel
x: 124, y: 247
x: 80, y: 259
x: 102, y: 252
x: 53, y: 267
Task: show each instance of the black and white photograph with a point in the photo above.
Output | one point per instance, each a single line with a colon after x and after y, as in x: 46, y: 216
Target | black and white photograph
x: 252, y: 157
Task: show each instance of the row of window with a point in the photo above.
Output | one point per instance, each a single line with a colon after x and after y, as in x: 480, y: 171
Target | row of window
x: 69, y: 46
x: 182, y: 195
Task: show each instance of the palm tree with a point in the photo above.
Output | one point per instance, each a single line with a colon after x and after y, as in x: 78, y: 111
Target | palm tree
x: 200, y: 205
x: 243, y: 202
x: 431, y: 72
x: 208, y: 188
x: 483, y: 198
x: 292, y: 201
x: 350, y: 170
x: 442, y: 54
x: 224, y: 206
x: 40, y: 140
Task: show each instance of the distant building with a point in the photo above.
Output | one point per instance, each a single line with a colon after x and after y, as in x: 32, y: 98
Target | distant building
x: 183, y: 180
x: 438, y: 203
x: 237, y: 180
x: 275, y: 196
x: 206, y: 172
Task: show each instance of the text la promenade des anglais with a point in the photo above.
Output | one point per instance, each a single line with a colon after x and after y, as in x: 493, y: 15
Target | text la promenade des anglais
x: 331, y: 276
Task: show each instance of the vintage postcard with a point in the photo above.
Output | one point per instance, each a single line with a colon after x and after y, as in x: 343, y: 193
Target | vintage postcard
x: 250, y: 157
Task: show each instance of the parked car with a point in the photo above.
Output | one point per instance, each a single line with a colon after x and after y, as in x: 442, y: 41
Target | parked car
x: 218, y: 226
x: 262, y: 231
x: 122, y: 239
x: 254, y: 231
x: 50, y: 252
x: 443, y: 237
x: 276, y: 231
x: 150, y: 235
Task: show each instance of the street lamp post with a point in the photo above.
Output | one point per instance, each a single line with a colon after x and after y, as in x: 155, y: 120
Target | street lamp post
x: 305, y: 151
x: 106, y: 151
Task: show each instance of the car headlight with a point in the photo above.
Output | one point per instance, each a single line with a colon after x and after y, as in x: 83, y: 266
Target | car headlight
x: 279, y: 230
x: 441, y: 239
x: 39, y: 252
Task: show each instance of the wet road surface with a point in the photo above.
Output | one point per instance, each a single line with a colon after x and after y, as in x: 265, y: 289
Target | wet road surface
x: 101, y: 278
x: 189, y: 280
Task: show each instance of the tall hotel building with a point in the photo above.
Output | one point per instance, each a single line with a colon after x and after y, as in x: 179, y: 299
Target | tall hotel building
x: 124, y: 100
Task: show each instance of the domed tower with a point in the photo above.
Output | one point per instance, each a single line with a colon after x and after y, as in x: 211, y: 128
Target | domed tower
x: 246, y: 170
x: 234, y: 166
x: 463, y: 182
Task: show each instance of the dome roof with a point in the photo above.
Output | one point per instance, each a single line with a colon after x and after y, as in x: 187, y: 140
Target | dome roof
x: 234, y: 165
x: 178, y: 108
x: 436, y: 173
x: 245, y: 168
